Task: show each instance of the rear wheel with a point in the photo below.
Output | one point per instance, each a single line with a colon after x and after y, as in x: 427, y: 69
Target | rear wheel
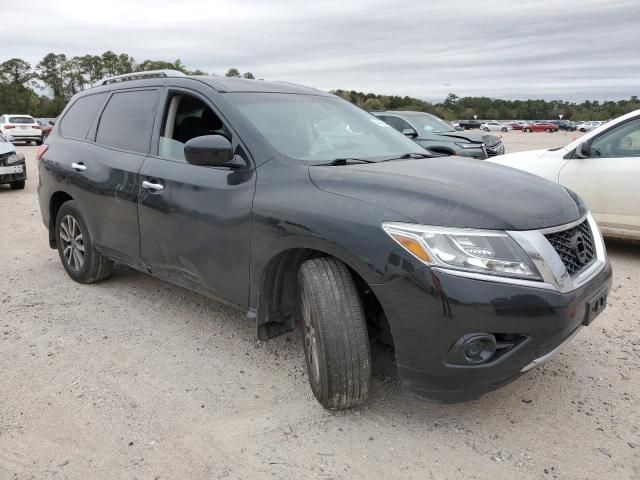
x: 486, y: 129
x: 548, y: 130
x: 335, y: 340
x: 19, y: 185
x: 504, y: 129
x: 79, y: 257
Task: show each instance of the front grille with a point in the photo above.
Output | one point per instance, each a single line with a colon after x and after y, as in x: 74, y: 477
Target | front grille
x: 575, y: 247
x: 497, y: 149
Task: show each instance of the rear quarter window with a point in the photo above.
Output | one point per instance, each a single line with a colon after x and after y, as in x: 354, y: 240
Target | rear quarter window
x: 80, y: 116
x: 127, y: 120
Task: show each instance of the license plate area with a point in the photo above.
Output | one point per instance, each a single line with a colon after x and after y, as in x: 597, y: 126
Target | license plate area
x: 595, y: 306
x: 11, y: 169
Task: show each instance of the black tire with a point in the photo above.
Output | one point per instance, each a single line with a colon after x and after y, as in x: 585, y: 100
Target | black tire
x: 94, y: 266
x: 486, y: 129
x: 19, y: 185
x: 504, y: 129
x: 548, y: 130
x: 330, y: 312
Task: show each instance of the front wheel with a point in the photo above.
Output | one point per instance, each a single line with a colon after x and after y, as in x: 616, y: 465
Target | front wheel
x: 335, y: 340
x: 486, y: 129
x: 504, y: 129
x: 548, y: 130
x: 80, y: 259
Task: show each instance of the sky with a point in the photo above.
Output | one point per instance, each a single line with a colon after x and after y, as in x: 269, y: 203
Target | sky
x: 516, y: 49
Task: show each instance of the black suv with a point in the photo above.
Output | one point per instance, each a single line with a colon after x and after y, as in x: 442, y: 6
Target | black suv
x: 469, y: 124
x: 439, y: 137
x: 298, y: 207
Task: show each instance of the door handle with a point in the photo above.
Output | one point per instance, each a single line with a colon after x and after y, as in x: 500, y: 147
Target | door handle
x: 152, y: 186
x: 79, y: 167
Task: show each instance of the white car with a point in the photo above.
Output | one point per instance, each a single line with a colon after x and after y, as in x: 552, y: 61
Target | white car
x: 602, y: 166
x: 494, y: 127
x: 23, y: 128
x: 587, y: 126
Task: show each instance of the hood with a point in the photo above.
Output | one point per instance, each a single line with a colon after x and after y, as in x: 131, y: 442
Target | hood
x: 454, y: 192
x: 462, y: 136
x: 6, y: 147
x: 512, y: 159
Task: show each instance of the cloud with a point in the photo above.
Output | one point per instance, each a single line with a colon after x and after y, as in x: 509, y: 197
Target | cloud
x: 528, y: 49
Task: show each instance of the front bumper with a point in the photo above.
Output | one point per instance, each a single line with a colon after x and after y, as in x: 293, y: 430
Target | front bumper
x: 429, y: 311
x: 14, y: 172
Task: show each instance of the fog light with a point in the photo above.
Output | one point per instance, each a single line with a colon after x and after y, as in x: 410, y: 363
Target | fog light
x: 472, y: 349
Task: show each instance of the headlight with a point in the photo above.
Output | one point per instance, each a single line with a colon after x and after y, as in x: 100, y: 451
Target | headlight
x: 489, y: 252
x: 470, y: 145
x: 15, y: 158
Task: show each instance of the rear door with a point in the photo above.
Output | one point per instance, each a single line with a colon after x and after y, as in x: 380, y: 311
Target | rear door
x: 105, y: 171
x: 195, y: 220
x: 608, y: 179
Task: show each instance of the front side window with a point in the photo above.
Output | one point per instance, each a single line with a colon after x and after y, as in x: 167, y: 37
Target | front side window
x: 186, y: 117
x: 398, y: 123
x: 127, y: 120
x: 319, y: 128
x: 429, y: 123
x: 622, y: 141
x: 80, y: 116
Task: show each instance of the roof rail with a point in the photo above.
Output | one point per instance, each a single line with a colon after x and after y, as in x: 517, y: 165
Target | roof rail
x: 141, y: 75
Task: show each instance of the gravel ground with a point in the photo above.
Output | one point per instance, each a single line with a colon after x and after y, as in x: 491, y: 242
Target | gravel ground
x: 136, y: 378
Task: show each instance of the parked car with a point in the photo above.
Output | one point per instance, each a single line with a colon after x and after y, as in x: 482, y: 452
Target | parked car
x: 493, y: 126
x: 47, y: 125
x: 299, y: 207
x: 469, y: 124
x: 587, y: 126
x: 566, y: 125
x: 439, y: 137
x: 13, y: 168
x: 603, y: 166
x: 518, y: 124
x: 23, y: 128
x: 540, y: 127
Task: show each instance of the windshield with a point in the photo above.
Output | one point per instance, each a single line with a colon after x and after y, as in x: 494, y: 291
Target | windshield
x: 21, y: 120
x: 321, y: 129
x: 429, y: 123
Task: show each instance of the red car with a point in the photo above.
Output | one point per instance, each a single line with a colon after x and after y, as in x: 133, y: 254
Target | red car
x: 540, y: 127
x: 517, y: 125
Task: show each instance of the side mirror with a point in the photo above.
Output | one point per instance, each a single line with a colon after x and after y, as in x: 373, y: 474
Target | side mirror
x: 582, y: 150
x: 410, y: 132
x: 209, y: 151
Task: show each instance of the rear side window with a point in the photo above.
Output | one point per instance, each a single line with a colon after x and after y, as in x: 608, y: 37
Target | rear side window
x: 21, y: 120
x: 127, y: 120
x: 79, y: 118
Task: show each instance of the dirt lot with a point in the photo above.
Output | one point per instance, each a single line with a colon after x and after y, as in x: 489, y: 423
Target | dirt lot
x: 135, y: 378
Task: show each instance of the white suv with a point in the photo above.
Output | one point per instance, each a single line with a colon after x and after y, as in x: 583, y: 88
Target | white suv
x: 23, y: 128
x: 602, y: 166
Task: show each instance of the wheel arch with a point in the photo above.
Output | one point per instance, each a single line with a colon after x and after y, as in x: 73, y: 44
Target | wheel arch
x: 276, y: 298
x: 56, y: 201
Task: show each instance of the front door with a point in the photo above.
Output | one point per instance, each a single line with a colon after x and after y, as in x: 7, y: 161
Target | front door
x: 608, y: 179
x: 195, y: 220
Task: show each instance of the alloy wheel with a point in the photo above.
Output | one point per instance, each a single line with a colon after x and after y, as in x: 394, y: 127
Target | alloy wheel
x: 72, y: 241
x: 310, y: 339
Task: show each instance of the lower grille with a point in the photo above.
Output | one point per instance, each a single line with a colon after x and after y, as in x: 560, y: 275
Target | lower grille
x: 575, y: 247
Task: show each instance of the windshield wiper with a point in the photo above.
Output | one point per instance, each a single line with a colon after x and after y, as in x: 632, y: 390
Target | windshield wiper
x: 346, y: 161
x: 406, y: 156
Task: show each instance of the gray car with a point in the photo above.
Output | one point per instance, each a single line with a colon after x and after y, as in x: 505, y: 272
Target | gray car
x: 13, y: 169
x: 439, y: 137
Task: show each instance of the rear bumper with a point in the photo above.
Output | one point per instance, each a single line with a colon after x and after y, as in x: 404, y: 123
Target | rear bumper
x: 430, y: 311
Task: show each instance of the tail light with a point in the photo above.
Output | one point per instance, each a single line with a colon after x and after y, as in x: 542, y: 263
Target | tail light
x: 41, y: 151
x: 9, y: 126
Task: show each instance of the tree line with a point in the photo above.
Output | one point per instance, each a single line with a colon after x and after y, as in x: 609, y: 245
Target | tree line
x: 23, y: 88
